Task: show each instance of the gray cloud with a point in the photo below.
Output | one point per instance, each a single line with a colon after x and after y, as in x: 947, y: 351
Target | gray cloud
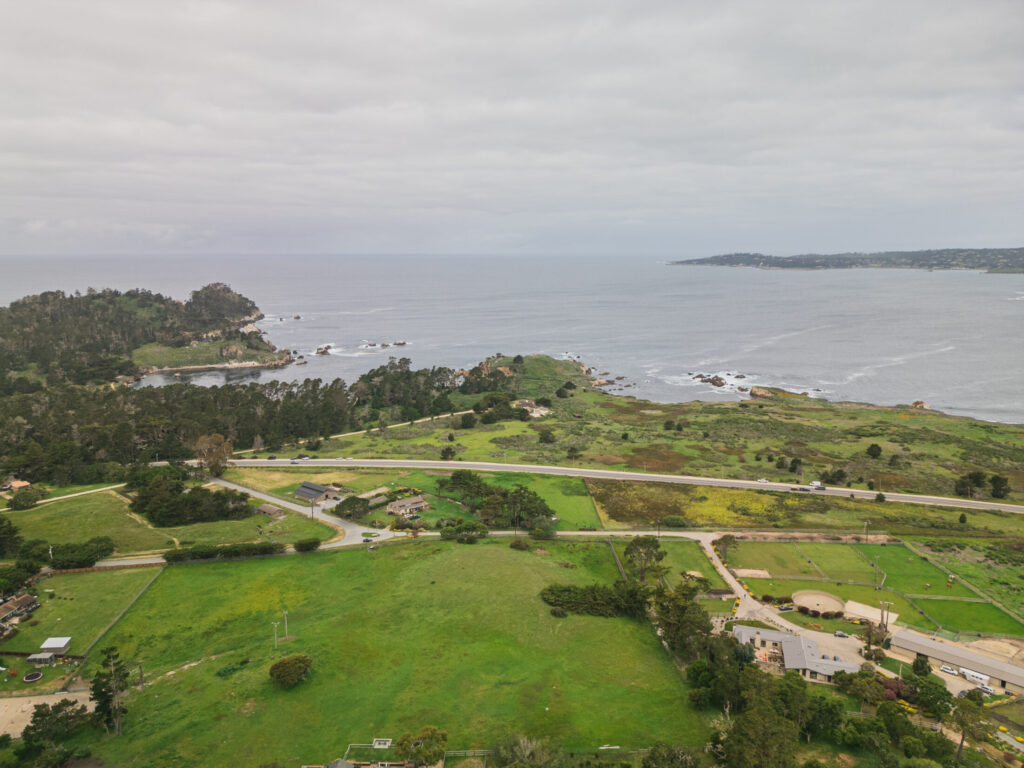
x: 444, y: 126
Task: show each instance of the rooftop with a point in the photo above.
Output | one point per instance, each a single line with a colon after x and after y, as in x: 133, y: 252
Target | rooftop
x: 936, y: 649
x: 797, y: 652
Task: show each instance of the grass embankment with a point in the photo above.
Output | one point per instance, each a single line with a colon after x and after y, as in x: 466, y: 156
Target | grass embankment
x: 992, y: 566
x: 202, y: 353
x: 688, y: 557
x: 922, y: 451
x: 108, y: 514
x: 430, y: 632
x: 630, y: 503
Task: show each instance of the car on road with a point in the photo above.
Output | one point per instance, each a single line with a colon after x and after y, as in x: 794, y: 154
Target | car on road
x: 762, y: 479
x: 948, y: 670
x: 840, y: 633
x: 293, y: 461
x: 271, y: 458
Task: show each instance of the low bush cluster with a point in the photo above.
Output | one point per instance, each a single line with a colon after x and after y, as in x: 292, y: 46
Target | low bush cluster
x: 307, y: 545
x: 675, y: 521
x: 206, y: 552
x: 624, y: 599
x: 291, y: 670
x: 520, y: 544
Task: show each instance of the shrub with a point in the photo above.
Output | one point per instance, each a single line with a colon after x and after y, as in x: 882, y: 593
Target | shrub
x: 675, y: 521
x: 542, y: 533
x: 803, y: 609
x: 558, y: 612
x: 767, y: 598
x: 26, y: 499
x: 815, y: 613
x: 520, y: 544
x: 292, y: 670
x: 307, y: 545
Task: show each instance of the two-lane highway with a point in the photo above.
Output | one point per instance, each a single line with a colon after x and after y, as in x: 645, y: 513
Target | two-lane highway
x: 647, y: 477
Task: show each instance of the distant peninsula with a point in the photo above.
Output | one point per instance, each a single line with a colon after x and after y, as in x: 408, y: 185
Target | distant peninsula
x: 995, y: 260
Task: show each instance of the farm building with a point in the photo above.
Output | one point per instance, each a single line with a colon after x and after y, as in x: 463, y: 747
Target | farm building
x: 270, y: 511
x: 799, y: 653
x: 15, y: 485
x: 42, y: 659
x: 18, y: 606
x: 407, y: 506
x: 1007, y: 676
x: 315, y: 493
x: 57, y: 645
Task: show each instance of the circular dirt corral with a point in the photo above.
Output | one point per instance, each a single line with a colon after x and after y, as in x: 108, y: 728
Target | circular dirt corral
x: 818, y: 601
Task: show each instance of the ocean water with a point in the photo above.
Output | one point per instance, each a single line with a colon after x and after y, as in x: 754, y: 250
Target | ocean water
x: 952, y: 339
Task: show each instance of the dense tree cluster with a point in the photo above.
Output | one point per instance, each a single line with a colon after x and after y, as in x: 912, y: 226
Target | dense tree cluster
x: 163, y: 500
x: 82, y: 338
x: 499, y: 507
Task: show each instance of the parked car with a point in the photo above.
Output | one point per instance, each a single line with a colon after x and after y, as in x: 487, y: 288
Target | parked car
x: 835, y: 658
x: 367, y: 541
x: 840, y: 633
x: 785, y: 608
x: 948, y: 670
x: 987, y: 689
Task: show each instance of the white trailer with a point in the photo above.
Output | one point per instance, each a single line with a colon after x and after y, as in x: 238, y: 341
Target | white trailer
x: 975, y: 677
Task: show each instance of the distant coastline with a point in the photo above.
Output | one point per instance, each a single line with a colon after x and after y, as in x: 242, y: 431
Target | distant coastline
x: 991, y: 260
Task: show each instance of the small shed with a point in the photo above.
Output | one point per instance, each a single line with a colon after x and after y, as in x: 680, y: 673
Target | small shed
x: 270, y: 511
x: 42, y: 659
x: 58, y: 645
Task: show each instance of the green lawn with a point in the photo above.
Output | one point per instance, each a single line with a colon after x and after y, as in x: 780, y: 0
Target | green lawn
x: 907, y: 572
x: 200, y: 353
x: 780, y: 559
x: 963, y: 616
x: 840, y: 562
x: 82, y: 606
x: 428, y: 632
x: 688, y: 556
x: 81, y: 518
x: 106, y: 514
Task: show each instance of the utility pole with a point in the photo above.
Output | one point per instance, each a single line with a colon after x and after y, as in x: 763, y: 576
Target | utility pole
x: 286, y: 624
x: 275, y: 623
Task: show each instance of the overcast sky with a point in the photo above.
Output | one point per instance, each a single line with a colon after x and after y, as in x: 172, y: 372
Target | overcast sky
x: 428, y: 126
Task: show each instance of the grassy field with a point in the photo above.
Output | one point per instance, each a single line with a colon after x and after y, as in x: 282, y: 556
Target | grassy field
x: 82, y: 606
x: 631, y: 503
x: 390, y: 654
x: 780, y: 559
x: 107, y: 514
x: 964, y: 616
x: 989, y: 566
x: 840, y: 562
x: 922, y: 451
x: 200, y: 353
x: 689, y: 557
x: 906, y: 572
x: 82, y: 517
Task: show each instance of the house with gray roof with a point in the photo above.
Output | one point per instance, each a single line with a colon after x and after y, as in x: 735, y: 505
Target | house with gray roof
x: 1009, y: 677
x: 798, y: 652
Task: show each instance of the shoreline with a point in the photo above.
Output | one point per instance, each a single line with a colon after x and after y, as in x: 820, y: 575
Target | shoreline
x: 216, y: 367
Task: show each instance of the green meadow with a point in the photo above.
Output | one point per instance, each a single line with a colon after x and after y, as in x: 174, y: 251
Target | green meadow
x: 424, y: 633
